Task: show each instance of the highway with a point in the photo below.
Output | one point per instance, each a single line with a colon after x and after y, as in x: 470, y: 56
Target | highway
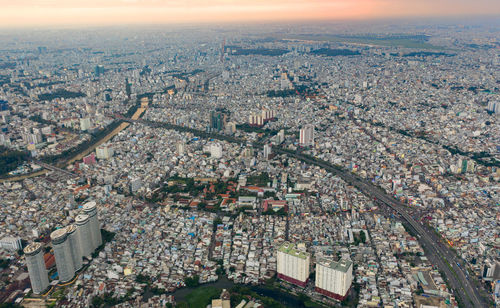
x: 439, y: 254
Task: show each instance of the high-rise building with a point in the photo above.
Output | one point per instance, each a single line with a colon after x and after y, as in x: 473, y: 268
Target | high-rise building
x: 248, y: 152
x: 135, y: 185
x: 267, y: 151
x: 230, y: 127
x: 255, y: 120
x: 259, y: 119
x: 268, y: 115
x: 491, y: 270
x: 215, y: 150
x: 307, y: 135
x: 104, y: 152
x: 128, y: 88
x: 180, y: 146
x: 63, y: 254
x: 85, y: 124
x: 83, y: 234
x: 216, y: 121
x: 99, y: 70
x: 334, y: 279
x: 280, y: 137
x: 46, y: 130
x: 35, y: 138
x: 494, y: 107
x: 293, y: 263
x: 36, y: 267
x: 11, y: 243
x: 284, y: 81
x: 90, y: 209
x: 75, y: 246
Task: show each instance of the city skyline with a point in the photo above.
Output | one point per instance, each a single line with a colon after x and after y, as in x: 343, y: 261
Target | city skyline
x: 171, y: 153
x: 30, y: 13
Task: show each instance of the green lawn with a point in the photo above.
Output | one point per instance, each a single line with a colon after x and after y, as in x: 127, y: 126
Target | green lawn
x: 201, y: 297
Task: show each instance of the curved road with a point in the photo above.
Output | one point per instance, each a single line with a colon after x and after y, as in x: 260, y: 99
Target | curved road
x: 438, y: 253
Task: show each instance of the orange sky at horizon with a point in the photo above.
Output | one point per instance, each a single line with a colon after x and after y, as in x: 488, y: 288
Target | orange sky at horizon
x: 21, y: 13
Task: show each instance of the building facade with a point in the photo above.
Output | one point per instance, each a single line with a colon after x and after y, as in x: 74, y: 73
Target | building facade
x: 11, y: 243
x: 36, y: 267
x: 63, y: 254
x: 104, y: 152
x: 334, y: 279
x: 74, y: 243
x: 293, y: 264
x: 307, y: 135
x: 83, y: 234
x: 90, y: 209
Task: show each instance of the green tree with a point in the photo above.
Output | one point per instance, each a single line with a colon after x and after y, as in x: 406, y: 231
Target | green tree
x: 192, y: 281
x: 362, y: 236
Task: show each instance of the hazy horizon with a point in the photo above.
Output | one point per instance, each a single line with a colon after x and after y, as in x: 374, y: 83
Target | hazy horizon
x: 49, y: 13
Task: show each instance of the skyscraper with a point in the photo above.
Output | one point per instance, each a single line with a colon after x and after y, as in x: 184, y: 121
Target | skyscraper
x: 128, y: 88
x: 75, y: 246
x: 99, y: 70
x: 216, y: 121
x: 90, y: 209
x: 83, y: 234
x: 36, y: 267
x: 333, y: 279
x: 307, y: 135
x: 63, y: 255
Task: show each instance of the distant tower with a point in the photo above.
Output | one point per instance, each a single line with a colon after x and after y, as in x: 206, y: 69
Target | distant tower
x: 98, y: 70
x: 128, y: 88
x: 223, y: 50
x: 90, y: 209
x: 36, y: 267
x: 62, y: 252
x: 75, y: 246
x: 216, y: 121
x: 83, y: 234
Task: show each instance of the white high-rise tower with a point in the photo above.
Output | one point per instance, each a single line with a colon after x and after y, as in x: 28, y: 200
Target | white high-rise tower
x: 36, y: 267
x: 75, y: 246
x: 90, y: 209
x: 63, y: 255
x: 307, y: 135
x: 83, y: 234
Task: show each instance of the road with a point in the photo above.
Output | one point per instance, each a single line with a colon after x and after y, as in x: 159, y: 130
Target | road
x: 438, y: 253
x: 79, y: 156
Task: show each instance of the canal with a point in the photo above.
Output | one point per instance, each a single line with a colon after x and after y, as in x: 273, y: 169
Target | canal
x: 283, y: 298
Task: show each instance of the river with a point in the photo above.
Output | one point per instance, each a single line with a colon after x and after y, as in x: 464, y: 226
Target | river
x: 223, y: 283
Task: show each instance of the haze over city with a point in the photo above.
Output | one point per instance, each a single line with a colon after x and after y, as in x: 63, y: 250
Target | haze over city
x: 217, y: 154
x: 25, y: 13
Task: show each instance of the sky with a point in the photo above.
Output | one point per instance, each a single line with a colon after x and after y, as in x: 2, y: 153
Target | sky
x: 26, y: 13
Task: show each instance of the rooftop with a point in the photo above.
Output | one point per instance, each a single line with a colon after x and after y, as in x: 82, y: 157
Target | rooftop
x: 291, y: 249
x: 343, y: 265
